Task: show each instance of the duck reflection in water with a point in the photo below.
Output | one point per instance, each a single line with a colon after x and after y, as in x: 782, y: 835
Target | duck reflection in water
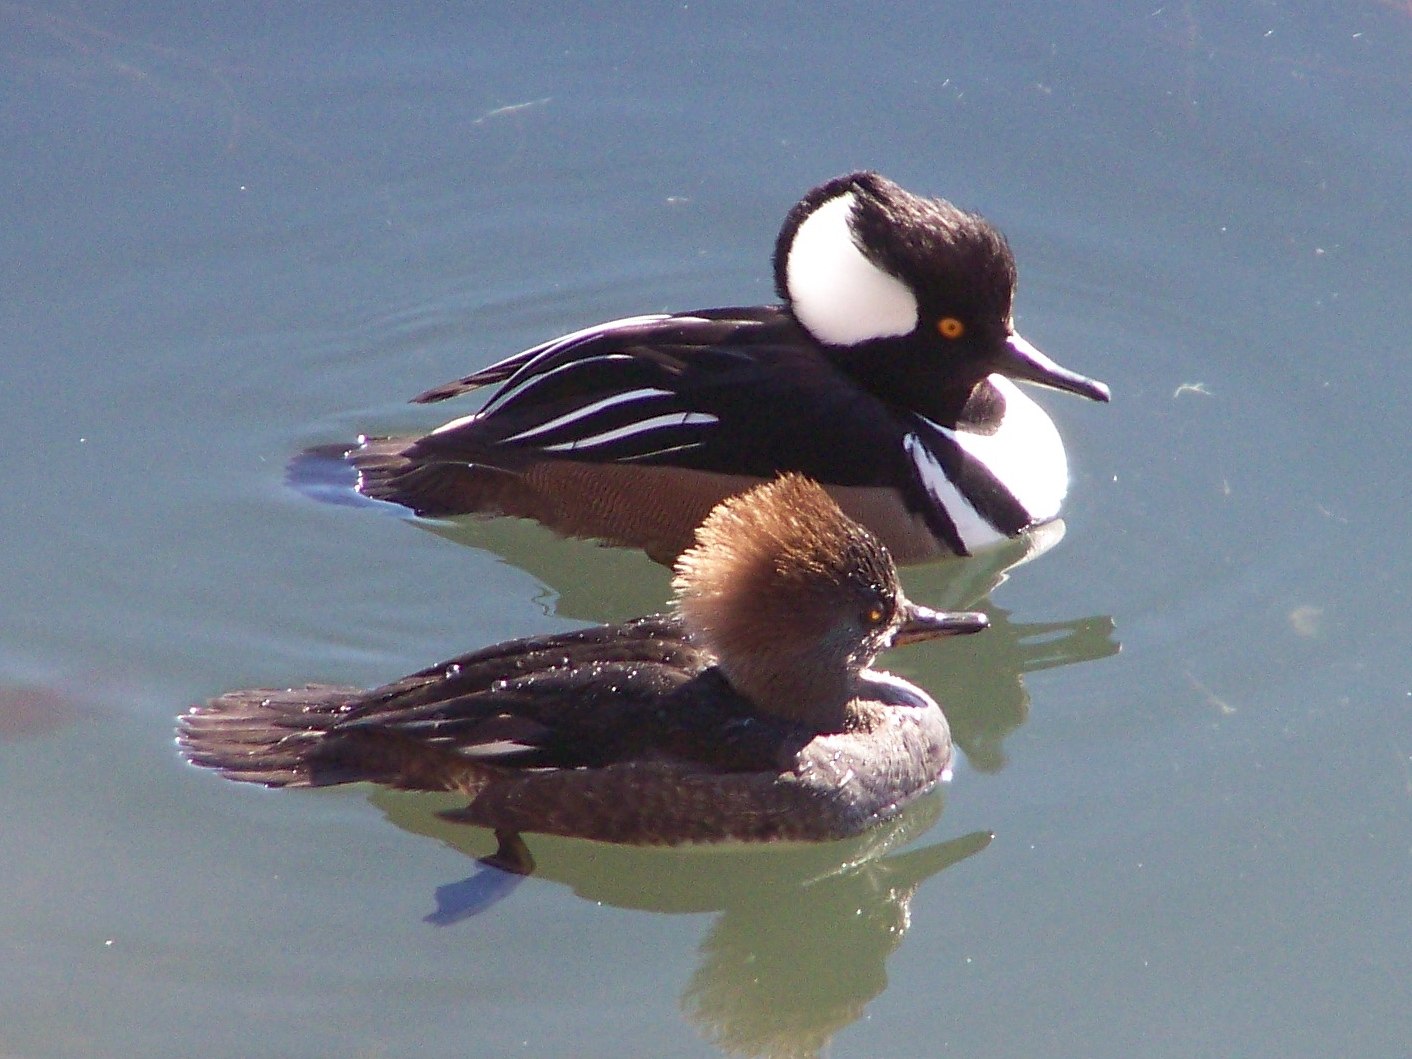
x: 804, y: 931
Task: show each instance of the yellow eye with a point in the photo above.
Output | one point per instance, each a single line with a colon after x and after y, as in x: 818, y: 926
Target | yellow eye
x: 875, y: 615
x: 950, y: 327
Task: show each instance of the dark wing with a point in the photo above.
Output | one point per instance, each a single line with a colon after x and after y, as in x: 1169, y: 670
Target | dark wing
x: 504, y: 369
x: 578, y: 700
x: 652, y: 391
x: 658, y: 637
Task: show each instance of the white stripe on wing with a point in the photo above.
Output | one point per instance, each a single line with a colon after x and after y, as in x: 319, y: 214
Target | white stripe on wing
x: 587, y: 410
x: 644, y: 426
x: 974, y: 531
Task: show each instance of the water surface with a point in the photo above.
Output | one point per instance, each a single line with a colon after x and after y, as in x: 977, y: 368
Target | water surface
x: 228, y: 236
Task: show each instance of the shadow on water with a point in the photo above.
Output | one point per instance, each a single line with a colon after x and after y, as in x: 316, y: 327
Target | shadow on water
x: 28, y: 711
x: 800, y: 943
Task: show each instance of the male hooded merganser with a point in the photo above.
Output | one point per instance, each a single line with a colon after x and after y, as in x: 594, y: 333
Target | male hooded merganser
x: 885, y: 375
x: 750, y: 714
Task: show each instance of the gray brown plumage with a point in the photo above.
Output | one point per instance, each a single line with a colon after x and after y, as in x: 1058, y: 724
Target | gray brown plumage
x: 749, y: 715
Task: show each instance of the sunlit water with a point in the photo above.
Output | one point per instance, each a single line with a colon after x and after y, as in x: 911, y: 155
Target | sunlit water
x: 225, y: 238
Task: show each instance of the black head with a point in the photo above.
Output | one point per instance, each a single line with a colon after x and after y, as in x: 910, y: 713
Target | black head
x: 869, y: 270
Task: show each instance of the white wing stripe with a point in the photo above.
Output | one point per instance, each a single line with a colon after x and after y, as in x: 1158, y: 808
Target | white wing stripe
x: 587, y: 410
x: 456, y: 424
x: 516, y: 387
x: 675, y: 419
x: 975, y: 532
x: 659, y: 452
x: 556, y: 344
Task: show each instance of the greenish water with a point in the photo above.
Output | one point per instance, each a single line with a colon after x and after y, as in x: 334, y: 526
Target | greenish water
x: 1182, y: 824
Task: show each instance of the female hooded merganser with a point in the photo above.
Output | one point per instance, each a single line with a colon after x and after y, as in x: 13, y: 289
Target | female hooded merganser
x: 751, y: 714
x: 885, y: 375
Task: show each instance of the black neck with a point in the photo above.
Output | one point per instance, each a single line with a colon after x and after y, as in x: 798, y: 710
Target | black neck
x: 915, y: 382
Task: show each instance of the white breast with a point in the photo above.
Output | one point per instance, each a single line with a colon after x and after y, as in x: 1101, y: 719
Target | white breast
x: 1026, y: 454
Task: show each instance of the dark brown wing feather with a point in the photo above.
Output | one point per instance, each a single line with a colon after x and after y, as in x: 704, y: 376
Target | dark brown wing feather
x: 585, y: 699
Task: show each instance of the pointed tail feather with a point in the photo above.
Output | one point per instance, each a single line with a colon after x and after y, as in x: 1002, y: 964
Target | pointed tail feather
x: 269, y: 736
x: 296, y: 737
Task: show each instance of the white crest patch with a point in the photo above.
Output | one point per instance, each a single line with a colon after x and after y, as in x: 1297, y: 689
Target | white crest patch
x: 840, y: 296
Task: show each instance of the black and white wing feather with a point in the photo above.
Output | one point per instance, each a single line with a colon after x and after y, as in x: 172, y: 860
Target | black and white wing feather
x: 646, y: 390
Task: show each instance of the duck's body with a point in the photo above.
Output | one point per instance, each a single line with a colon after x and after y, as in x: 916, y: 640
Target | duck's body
x: 884, y: 375
x: 622, y: 733
x: 751, y: 716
